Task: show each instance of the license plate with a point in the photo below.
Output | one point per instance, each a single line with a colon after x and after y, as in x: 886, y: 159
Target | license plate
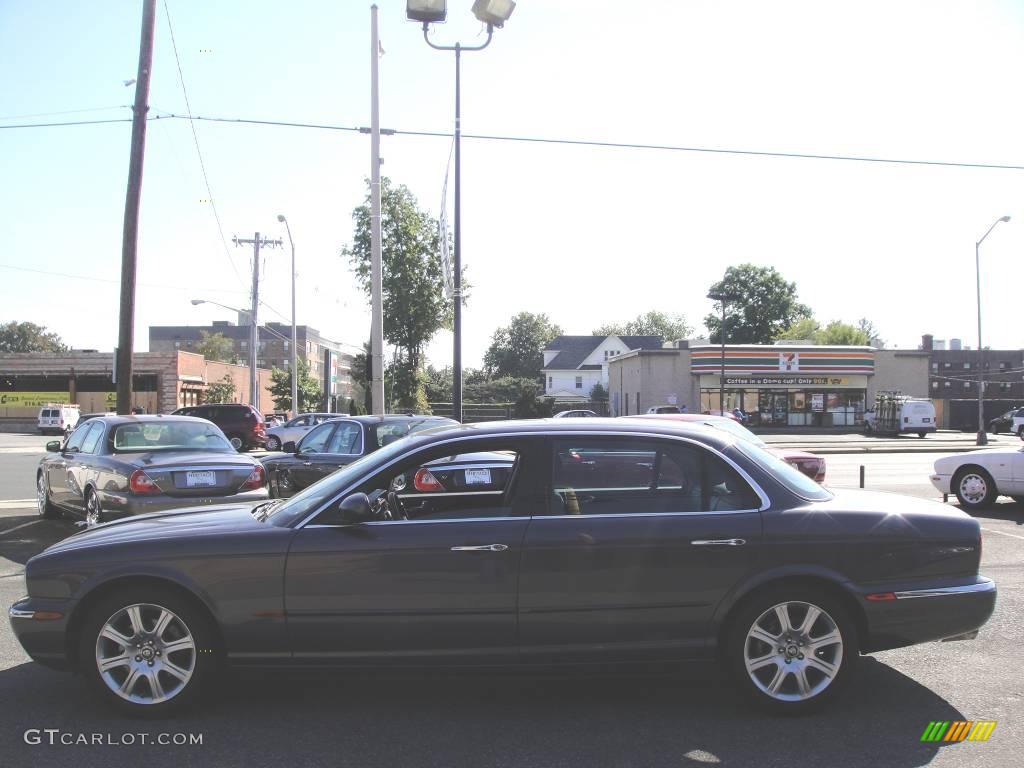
x: 478, y: 477
x: 200, y: 479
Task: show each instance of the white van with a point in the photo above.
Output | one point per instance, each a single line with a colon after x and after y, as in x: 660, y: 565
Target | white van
x: 59, y: 418
x: 908, y: 416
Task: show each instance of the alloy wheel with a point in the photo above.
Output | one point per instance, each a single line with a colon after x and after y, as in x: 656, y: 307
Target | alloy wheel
x: 41, y: 495
x: 793, y: 651
x: 236, y: 443
x: 145, y: 654
x: 273, y: 444
x: 93, y: 512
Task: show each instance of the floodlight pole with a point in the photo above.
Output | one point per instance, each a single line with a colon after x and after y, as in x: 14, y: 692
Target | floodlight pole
x: 457, y: 250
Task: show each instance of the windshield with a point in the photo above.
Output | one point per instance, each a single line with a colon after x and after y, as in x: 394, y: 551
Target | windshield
x: 791, y: 478
x: 309, y: 499
x: 167, y: 435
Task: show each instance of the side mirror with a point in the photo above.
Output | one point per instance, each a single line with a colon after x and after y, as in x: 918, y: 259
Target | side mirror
x: 53, y: 446
x: 289, y: 447
x: 355, y: 508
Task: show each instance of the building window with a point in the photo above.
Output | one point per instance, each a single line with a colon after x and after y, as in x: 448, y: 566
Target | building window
x: 935, y: 385
x: 549, y: 382
x: 967, y: 365
x: 949, y: 384
x: 579, y: 382
x: 243, y: 344
x: 967, y: 385
x: 935, y: 366
x: 286, y: 345
x: 946, y: 365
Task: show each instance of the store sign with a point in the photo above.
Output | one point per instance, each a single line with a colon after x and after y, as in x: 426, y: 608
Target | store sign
x: 788, y: 381
x: 32, y: 399
x: 789, y: 361
x: 817, y: 402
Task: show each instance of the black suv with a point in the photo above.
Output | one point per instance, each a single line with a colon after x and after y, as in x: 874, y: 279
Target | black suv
x: 242, y: 424
x: 1004, y: 423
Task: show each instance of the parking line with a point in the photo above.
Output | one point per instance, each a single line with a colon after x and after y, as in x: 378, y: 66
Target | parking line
x: 16, y: 503
x: 19, y: 527
x: 1003, y: 533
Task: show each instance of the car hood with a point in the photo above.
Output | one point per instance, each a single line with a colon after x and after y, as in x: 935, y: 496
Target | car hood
x: 187, y: 523
x: 159, y: 459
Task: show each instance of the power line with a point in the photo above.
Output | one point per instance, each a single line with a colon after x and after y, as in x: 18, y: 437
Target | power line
x: 74, y: 122
x: 195, y: 138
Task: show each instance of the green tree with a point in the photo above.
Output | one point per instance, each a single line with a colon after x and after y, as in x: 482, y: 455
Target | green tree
x: 221, y: 392
x: 216, y: 346
x: 598, y: 393
x: 670, y: 326
x: 870, y: 331
x: 361, y: 376
x: 765, y: 306
x: 839, y: 333
x: 29, y: 337
x: 518, y: 349
x: 281, y: 389
x: 804, y: 329
x: 415, y: 306
x: 439, y: 384
x: 405, y: 387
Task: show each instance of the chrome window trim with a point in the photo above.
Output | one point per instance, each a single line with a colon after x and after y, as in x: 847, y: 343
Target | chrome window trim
x: 624, y: 515
x: 913, y: 594
x: 431, y: 495
x: 765, y: 501
x: 424, y: 522
x: 200, y: 468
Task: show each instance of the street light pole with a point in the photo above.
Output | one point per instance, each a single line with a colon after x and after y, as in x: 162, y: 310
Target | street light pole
x: 295, y: 369
x: 982, y: 438
x: 722, y: 298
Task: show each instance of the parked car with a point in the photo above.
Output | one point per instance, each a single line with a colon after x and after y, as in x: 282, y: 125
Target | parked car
x: 576, y: 414
x: 57, y: 418
x: 421, y: 490
x: 810, y: 464
x: 335, y: 443
x: 115, y: 466
x: 1017, y: 425
x: 295, y: 429
x: 612, y: 540
x: 665, y: 409
x: 242, y: 424
x: 978, y: 477
x: 87, y: 416
x: 1004, y: 422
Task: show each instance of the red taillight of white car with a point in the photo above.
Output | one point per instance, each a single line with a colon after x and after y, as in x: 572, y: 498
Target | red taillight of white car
x: 257, y: 478
x: 426, y: 482
x: 141, y: 483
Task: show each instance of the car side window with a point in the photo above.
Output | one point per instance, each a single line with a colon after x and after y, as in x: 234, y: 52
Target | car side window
x: 316, y: 440
x: 77, y: 438
x: 347, y: 438
x: 92, y: 440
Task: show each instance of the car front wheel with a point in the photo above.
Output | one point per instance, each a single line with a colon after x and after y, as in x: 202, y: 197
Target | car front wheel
x: 273, y: 443
x: 792, y: 649
x: 974, y: 488
x: 147, y: 651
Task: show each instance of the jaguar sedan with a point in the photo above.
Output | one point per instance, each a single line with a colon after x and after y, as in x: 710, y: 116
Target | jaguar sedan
x: 114, y: 466
x: 589, y: 540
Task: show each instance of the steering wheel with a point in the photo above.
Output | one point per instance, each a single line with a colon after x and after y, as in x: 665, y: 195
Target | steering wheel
x: 396, y: 510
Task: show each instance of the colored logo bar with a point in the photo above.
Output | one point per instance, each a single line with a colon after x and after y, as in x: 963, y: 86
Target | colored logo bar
x: 958, y: 730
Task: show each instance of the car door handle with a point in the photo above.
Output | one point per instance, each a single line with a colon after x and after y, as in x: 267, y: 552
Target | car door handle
x: 307, y: 463
x: 482, y: 548
x: 718, y: 542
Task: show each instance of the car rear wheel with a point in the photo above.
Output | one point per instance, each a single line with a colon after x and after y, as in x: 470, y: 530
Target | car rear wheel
x: 237, y: 442
x: 147, y: 651
x: 93, y: 510
x: 792, y: 649
x: 43, y: 503
x: 273, y: 443
x: 974, y: 488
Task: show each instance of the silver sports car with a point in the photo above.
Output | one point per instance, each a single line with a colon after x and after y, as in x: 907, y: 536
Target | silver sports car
x: 115, y: 466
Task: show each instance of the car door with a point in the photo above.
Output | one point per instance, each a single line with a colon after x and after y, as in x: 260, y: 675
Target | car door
x: 441, y: 586
x: 307, y: 465
x: 65, y: 478
x: 643, y: 538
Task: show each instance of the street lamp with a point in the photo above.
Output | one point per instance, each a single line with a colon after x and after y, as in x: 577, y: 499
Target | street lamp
x: 982, y: 435
x: 295, y: 370
x: 493, y: 13
x: 722, y: 298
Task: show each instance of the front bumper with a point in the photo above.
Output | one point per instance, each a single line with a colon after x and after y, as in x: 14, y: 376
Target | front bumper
x: 119, y: 505
x: 925, y: 613
x: 40, y: 624
x: 942, y: 483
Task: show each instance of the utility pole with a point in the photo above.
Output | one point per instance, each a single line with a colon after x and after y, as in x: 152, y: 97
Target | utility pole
x: 376, y: 279
x: 130, y: 237
x: 254, y: 328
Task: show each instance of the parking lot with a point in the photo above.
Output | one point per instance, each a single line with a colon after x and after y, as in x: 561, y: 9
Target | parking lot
x: 637, y: 717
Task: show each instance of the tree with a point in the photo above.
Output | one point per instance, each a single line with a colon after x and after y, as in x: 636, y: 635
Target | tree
x: 439, y: 384
x: 221, y: 392
x: 598, y: 393
x: 804, y: 329
x: 29, y: 337
x: 361, y: 376
x: 518, y: 349
x: 281, y: 389
x: 415, y: 306
x: 765, y: 306
x: 670, y: 326
x: 835, y: 333
x: 868, y: 329
x: 216, y: 346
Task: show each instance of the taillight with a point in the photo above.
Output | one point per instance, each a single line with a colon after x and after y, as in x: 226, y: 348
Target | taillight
x: 256, y: 479
x: 426, y: 482
x: 142, y: 483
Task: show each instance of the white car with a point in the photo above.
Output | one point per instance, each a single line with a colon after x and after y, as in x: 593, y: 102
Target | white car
x: 296, y: 429
x: 978, y: 477
x: 577, y: 414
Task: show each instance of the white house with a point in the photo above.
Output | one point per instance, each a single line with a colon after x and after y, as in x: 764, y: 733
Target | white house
x: 574, y: 364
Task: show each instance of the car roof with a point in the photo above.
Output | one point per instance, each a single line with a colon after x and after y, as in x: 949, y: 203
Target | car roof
x: 156, y: 418
x: 391, y: 418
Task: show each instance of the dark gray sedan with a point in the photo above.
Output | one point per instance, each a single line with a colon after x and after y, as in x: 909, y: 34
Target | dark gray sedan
x: 543, y: 542
x: 115, y: 466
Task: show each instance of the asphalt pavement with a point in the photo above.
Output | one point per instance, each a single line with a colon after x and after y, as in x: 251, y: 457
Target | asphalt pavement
x: 646, y: 717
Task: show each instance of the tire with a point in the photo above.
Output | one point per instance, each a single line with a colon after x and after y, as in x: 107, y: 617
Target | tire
x: 45, y: 507
x: 921, y: 434
x: 1020, y: 431
x: 93, y: 509
x: 1018, y: 499
x: 180, y: 674
x: 974, y: 488
x: 237, y: 442
x: 273, y: 443
x: 791, y: 680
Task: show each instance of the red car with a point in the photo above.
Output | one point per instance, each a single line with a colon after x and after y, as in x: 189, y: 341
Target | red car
x: 810, y: 464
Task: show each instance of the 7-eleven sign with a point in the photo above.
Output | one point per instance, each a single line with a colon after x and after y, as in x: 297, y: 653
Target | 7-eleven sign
x: 789, y: 361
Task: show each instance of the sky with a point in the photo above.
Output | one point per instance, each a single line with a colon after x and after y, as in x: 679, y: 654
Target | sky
x: 588, y: 235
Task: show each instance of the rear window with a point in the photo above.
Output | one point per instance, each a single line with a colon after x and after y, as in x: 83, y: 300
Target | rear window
x: 170, y: 436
